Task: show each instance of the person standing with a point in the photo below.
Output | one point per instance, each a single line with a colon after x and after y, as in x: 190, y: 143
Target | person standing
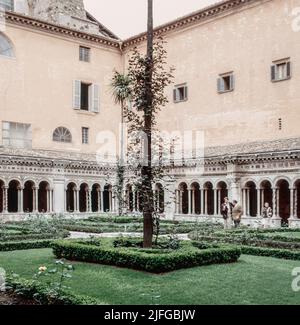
x: 267, y: 214
x: 226, y: 210
x: 237, y: 213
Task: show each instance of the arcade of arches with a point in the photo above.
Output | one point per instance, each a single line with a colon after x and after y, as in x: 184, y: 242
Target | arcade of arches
x: 191, y: 199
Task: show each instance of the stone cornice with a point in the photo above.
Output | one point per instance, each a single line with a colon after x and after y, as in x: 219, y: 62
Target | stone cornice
x: 44, y: 26
x: 191, y: 19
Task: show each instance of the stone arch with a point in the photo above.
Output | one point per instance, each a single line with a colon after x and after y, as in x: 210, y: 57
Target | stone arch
x: 7, y: 47
x: 107, y: 198
x: 222, y: 193
x: 283, y: 199
x: 296, y: 212
x: 266, y: 193
x: 208, y: 198
x: 96, y: 197
x: 14, y: 196
x: 250, y: 198
x: 83, y: 197
x: 196, y: 198
x: 71, y: 197
x: 2, y: 195
x: 183, y: 198
x: 44, y: 197
x: 29, y: 196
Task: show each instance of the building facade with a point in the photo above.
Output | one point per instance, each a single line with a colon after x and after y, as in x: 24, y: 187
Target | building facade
x: 237, y: 75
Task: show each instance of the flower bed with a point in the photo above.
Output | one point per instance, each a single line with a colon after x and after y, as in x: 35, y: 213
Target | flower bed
x: 25, y: 244
x: 185, y: 257
x: 34, y: 290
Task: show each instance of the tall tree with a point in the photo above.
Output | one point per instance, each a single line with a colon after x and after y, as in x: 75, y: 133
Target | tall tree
x: 121, y: 93
x: 147, y: 175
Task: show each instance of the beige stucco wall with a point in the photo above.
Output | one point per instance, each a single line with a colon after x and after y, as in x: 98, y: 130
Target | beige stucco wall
x: 36, y: 87
x: 246, y: 42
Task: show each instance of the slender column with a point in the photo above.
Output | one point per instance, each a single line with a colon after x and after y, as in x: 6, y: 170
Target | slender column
x: 202, y: 202
x: 176, y: 201
x: 193, y: 202
x: 215, y: 202
x: 36, y: 199
x: 101, y: 201
x: 258, y: 202
x: 90, y: 201
x: 66, y: 200
x: 77, y: 201
x: 51, y: 200
x: 110, y: 201
x: 138, y: 201
x: 205, y: 202
x: 275, y: 190
x: 292, y: 206
x: 244, y: 201
x: 20, y: 200
x: 5, y: 199
x: 48, y: 200
x: 134, y: 201
x: 278, y: 203
x: 262, y: 198
x: 98, y: 200
x: 296, y: 203
x: 190, y: 201
x: 248, y: 202
x: 219, y: 202
x: 180, y: 202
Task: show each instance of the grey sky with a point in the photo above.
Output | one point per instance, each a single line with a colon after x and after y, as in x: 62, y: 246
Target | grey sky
x: 128, y: 17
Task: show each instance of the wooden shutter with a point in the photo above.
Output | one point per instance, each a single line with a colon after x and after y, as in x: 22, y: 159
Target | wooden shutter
x: 76, y: 94
x: 175, y: 95
x: 220, y: 85
x: 232, y: 82
x: 185, y: 93
x: 273, y: 72
x: 95, y: 104
x: 288, y: 69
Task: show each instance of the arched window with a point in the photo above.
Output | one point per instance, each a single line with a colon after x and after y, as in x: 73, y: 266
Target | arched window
x: 62, y: 134
x: 6, y: 48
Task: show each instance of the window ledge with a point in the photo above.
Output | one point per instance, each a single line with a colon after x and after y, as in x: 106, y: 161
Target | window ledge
x: 225, y: 91
x: 180, y: 101
x: 88, y: 113
x: 279, y: 80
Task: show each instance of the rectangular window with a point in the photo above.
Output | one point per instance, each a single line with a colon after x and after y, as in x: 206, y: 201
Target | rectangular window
x: 84, y: 54
x: 7, y: 5
x: 85, y: 135
x: 226, y: 82
x: 281, y: 70
x: 86, y: 96
x: 180, y: 93
x: 17, y: 135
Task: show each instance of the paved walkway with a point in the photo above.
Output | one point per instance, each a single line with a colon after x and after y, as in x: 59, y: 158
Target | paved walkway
x: 84, y: 235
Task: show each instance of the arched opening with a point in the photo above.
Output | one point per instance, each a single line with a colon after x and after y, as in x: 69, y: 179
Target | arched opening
x: 208, y: 198
x: 222, y: 192
x: 183, y: 199
x: 107, y: 198
x: 71, y: 197
x: 6, y: 47
x: 44, y: 189
x: 196, y: 198
x: 250, y: 199
x: 28, y: 197
x: 96, y: 203
x: 266, y: 194
x: 284, y: 201
x: 129, y: 198
x: 160, y: 198
x: 297, y: 199
x: 1, y: 196
x: 83, y: 198
x: 14, y: 190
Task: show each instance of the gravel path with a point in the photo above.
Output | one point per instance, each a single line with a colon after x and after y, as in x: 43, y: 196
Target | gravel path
x: 84, y: 235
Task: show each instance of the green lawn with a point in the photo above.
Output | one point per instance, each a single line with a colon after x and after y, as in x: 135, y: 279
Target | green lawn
x: 292, y: 234
x: 253, y: 280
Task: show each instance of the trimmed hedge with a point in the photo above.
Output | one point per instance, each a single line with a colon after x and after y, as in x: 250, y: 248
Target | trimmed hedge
x: 23, y: 245
x: 186, y: 257
x: 33, y: 236
x: 34, y: 290
x: 248, y: 242
x: 271, y: 252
